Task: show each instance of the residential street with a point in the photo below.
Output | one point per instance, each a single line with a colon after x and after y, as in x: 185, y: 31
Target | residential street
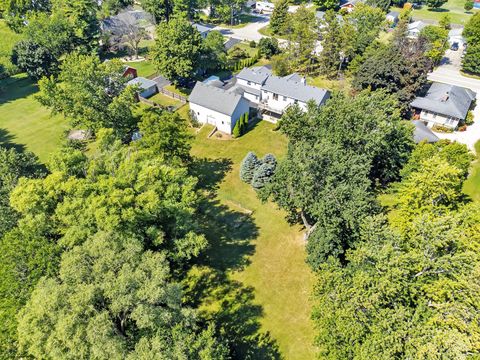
x: 449, y: 72
x: 248, y: 32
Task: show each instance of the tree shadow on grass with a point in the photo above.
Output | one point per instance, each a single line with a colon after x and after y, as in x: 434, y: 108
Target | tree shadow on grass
x: 12, y: 89
x: 230, y: 306
x: 6, y: 141
x: 210, y: 172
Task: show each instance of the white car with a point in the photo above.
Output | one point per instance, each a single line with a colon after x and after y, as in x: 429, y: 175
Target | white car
x: 264, y: 7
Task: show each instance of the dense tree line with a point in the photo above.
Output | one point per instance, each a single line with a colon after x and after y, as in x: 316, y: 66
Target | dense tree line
x: 409, y: 288
x: 471, y: 32
x: 93, y: 264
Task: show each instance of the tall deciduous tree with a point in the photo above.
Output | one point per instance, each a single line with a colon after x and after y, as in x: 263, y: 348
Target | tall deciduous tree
x: 337, y: 154
x: 34, y: 59
x: 177, y: 49
x: 112, y: 299
x: 160, y: 9
x: 213, y: 54
x: 15, y: 11
x: 91, y: 94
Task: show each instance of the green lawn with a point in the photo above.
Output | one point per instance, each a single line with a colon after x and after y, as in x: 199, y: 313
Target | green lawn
x: 322, y: 82
x: 261, y: 282
x: 471, y: 186
x: 164, y: 100
x: 144, y: 68
x: 454, y: 8
x: 8, y: 40
x: 26, y: 124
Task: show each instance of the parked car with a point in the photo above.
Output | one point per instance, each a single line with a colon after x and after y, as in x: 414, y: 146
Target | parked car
x: 454, y: 46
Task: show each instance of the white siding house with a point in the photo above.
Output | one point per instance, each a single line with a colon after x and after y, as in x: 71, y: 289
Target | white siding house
x: 146, y: 87
x: 216, y: 106
x: 444, y: 105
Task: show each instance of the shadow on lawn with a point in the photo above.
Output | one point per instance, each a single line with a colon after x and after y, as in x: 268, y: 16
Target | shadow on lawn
x: 231, y: 307
x: 12, y: 89
x: 6, y: 141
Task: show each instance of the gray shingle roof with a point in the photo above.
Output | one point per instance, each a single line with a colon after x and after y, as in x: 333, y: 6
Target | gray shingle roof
x: 201, y: 28
x: 231, y: 42
x: 295, y: 89
x: 213, y: 98
x: 394, y: 14
x: 445, y: 99
x: 423, y: 133
x: 256, y: 74
x: 144, y: 83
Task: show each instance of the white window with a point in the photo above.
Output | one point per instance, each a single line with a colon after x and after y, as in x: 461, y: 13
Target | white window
x: 249, y: 82
x: 284, y: 98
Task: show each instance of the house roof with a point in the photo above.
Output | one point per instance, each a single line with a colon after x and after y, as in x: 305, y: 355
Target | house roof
x: 423, y: 133
x: 115, y: 24
x: 416, y: 26
x: 257, y: 74
x: 394, y: 14
x: 455, y: 32
x: 321, y: 15
x: 201, y: 28
x: 297, y: 90
x: 231, y: 42
x: 445, y: 99
x: 214, y: 98
x: 144, y: 83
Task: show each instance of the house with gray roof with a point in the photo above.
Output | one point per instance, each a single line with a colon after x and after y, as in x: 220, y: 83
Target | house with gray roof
x: 414, y: 28
x: 444, y: 105
x: 146, y: 86
x: 422, y: 133
x: 392, y: 17
x: 217, y: 106
x: 202, y: 29
x: 274, y: 94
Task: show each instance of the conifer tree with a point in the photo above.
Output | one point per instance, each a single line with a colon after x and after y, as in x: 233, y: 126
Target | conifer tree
x: 279, y: 17
x: 262, y: 175
x: 237, y: 132
x: 249, y: 164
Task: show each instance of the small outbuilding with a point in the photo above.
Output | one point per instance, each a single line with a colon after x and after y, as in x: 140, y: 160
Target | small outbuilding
x: 147, y: 87
x: 422, y: 133
x: 392, y: 17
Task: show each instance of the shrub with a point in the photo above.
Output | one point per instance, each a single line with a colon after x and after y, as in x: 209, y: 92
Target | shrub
x: 253, y: 44
x: 469, y: 118
x: 237, y: 129
x: 268, y: 47
x: 270, y: 159
x: 442, y: 129
x: 248, y: 167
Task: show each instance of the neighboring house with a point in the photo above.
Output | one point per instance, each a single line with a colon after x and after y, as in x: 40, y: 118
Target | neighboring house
x: 216, y: 106
x: 147, y: 87
x: 320, y: 15
x: 273, y: 94
x: 392, y: 17
x: 115, y: 25
x: 423, y: 133
x: 455, y: 36
x: 444, y: 105
x: 349, y: 4
x: 231, y: 42
x: 202, y: 29
x: 129, y: 71
x: 415, y: 27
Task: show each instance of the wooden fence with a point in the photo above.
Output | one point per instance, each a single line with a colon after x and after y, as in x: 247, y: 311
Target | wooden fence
x: 173, y: 95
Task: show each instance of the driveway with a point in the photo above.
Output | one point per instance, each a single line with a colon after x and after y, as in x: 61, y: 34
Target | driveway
x: 248, y: 32
x: 449, y: 73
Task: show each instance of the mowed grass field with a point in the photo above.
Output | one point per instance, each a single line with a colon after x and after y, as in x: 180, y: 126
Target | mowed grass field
x: 454, y: 8
x: 7, y: 40
x: 26, y: 124
x: 260, y: 252
x: 471, y: 187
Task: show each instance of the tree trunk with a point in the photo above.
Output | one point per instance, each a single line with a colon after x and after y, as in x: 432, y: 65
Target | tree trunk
x: 309, y: 228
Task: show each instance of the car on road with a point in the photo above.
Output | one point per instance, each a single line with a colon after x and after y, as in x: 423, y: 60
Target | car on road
x: 454, y: 46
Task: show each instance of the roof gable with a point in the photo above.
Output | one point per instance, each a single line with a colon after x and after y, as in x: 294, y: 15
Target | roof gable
x: 215, y: 99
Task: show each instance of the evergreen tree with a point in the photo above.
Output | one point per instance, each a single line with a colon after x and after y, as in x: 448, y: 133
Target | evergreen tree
x: 279, y: 18
x: 247, y: 169
x: 237, y: 129
x: 262, y: 175
x: 269, y: 159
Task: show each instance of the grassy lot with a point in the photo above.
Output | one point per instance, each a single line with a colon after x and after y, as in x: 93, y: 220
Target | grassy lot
x: 144, y: 68
x: 268, y: 32
x: 322, y: 82
x: 254, y: 277
x: 454, y: 8
x: 164, y: 100
x: 26, y: 124
x: 471, y: 186
x: 8, y: 40
x: 178, y: 90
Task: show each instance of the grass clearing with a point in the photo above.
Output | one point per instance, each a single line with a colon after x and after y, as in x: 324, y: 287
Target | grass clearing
x: 164, y: 100
x: 330, y: 84
x: 262, y: 256
x: 454, y: 8
x: 144, y: 68
x: 471, y: 186
x: 24, y: 123
x: 9, y: 38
